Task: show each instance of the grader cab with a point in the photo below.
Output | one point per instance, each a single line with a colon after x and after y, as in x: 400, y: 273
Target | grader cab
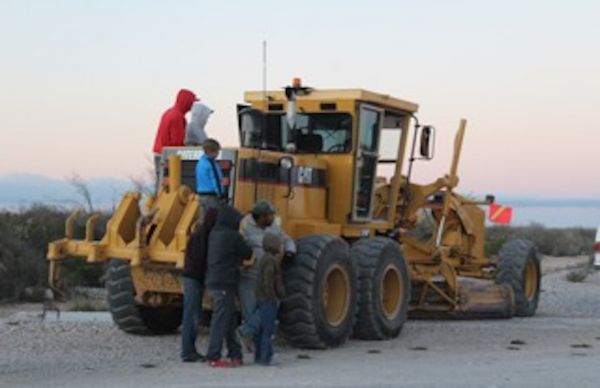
x: 365, y: 258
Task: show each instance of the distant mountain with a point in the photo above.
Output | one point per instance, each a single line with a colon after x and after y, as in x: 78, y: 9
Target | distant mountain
x: 531, y: 201
x: 22, y: 190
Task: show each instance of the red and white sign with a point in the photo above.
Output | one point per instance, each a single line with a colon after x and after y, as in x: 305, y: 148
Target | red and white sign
x: 500, y: 214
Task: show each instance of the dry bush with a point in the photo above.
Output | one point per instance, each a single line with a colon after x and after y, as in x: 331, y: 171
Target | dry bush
x: 24, y: 238
x: 84, y: 303
x: 549, y: 241
x: 20, y: 265
x: 577, y: 275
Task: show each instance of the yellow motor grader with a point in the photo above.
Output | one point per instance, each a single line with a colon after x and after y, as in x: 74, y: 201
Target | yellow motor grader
x: 367, y: 258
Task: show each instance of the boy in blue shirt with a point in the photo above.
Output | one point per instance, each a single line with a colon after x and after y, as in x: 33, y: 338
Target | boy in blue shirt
x: 209, y: 176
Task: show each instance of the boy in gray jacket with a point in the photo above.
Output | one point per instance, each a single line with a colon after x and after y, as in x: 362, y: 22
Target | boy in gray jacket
x: 254, y: 228
x: 269, y: 292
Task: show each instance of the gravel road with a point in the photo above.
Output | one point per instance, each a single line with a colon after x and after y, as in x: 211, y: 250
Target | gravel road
x: 557, y: 348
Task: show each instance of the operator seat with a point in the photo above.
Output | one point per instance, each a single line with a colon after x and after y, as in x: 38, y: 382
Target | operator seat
x: 310, y: 143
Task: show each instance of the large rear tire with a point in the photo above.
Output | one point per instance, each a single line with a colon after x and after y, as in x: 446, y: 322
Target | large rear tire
x: 127, y: 314
x: 319, y: 308
x: 383, y: 288
x: 519, y: 267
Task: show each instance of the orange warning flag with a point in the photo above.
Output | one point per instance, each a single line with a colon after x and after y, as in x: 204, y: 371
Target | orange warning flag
x: 500, y: 214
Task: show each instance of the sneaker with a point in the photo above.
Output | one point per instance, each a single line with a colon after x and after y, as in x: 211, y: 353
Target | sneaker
x: 237, y: 362
x: 246, y: 341
x: 219, y: 364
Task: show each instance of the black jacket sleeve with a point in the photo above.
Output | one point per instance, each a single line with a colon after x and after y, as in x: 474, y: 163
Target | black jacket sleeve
x: 243, y: 250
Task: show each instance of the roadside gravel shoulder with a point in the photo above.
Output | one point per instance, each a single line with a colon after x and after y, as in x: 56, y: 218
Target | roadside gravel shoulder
x: 556, y: 348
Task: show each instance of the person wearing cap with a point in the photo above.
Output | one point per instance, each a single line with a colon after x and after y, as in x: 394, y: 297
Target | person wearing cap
x: 254, y: 226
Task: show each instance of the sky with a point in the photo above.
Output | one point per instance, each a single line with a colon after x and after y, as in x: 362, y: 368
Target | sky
x: 83, y: 84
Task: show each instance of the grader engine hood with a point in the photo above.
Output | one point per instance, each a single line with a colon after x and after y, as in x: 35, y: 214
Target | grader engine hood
x: 295, y: 184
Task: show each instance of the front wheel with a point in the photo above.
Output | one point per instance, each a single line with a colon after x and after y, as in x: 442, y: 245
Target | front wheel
x: 319, y: 308
x: 127, y: 314
x: 383, y: 288
x: 519, y: 267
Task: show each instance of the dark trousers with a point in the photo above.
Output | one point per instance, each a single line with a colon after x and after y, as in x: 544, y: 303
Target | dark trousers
x: 247, y: 295
x: 157, y: 168
x: 263, y: 337
x: 192, y: 309
x: 223, y: 325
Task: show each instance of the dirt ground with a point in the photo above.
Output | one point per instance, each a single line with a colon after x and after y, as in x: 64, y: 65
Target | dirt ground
x: 559, y: 347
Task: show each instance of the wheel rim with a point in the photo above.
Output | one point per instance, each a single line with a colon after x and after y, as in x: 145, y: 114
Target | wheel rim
x: 336, y: 295
x: 531, y: 280
x: 391, y: 292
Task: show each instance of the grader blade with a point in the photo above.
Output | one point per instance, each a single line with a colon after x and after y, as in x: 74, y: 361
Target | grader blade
x: 477, y: 299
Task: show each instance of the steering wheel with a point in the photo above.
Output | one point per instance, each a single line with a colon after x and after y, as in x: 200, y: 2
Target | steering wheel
x: 337, y: 147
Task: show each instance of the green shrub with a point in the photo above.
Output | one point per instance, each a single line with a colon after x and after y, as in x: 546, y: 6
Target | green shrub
x: 549, y: 241
x: 24, y: 238
x: 20, y: 265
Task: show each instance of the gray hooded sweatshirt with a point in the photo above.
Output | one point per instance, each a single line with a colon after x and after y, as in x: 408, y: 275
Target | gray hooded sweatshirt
x: 254, y: 234
x: 194, y: 132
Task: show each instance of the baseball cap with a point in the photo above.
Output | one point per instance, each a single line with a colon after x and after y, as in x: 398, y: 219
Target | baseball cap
x: 263, y: 207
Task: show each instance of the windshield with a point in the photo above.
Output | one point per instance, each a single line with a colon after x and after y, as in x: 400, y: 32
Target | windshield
x: 314, y: 132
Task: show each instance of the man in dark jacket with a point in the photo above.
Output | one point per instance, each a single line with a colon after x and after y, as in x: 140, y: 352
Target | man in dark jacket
x: 194, y: 271
x: 226, y: 251
x: 171, y: 130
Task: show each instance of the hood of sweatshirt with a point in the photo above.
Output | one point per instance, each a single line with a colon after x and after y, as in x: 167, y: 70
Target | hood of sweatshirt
x: 228, y: 218
x: 200, y: 114
x: 185, y: 99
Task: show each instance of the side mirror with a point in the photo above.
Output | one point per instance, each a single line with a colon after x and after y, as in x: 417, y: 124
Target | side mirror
x: 286, y: 163
x: 427, y: 143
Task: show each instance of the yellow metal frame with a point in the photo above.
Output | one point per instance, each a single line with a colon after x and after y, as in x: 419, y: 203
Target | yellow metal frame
x: 154, y: 240
x: 157, y: 238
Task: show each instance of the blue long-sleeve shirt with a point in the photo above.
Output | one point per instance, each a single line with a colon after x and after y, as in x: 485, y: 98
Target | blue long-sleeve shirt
x: 207, y: 173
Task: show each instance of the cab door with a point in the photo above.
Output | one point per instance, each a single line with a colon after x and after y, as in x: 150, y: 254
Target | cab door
x: 367, y: 156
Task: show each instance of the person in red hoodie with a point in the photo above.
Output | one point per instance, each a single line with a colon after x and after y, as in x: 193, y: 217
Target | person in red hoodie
x: 171, y: 130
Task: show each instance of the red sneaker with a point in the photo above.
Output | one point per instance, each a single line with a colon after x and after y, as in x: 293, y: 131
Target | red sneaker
x: 220, y: 364
x: 237, y: 362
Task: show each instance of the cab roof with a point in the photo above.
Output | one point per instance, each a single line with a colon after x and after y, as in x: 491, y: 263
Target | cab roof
x: 331, y: 95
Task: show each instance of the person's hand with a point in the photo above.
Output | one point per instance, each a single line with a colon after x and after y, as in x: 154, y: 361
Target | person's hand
x: 289, y: 256
x: 249, y: 263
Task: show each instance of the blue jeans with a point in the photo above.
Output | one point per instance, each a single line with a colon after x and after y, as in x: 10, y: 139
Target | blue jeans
x: 223, y: 325
x: 192, y: 309
x: 261, y: 325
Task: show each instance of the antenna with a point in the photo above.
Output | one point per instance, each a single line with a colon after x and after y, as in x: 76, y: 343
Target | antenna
x: 264, y: 75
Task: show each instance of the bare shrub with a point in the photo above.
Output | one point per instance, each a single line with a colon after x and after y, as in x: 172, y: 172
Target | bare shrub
x: 82, y: 189
x: 83, y: 303
x: 577, y: 275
